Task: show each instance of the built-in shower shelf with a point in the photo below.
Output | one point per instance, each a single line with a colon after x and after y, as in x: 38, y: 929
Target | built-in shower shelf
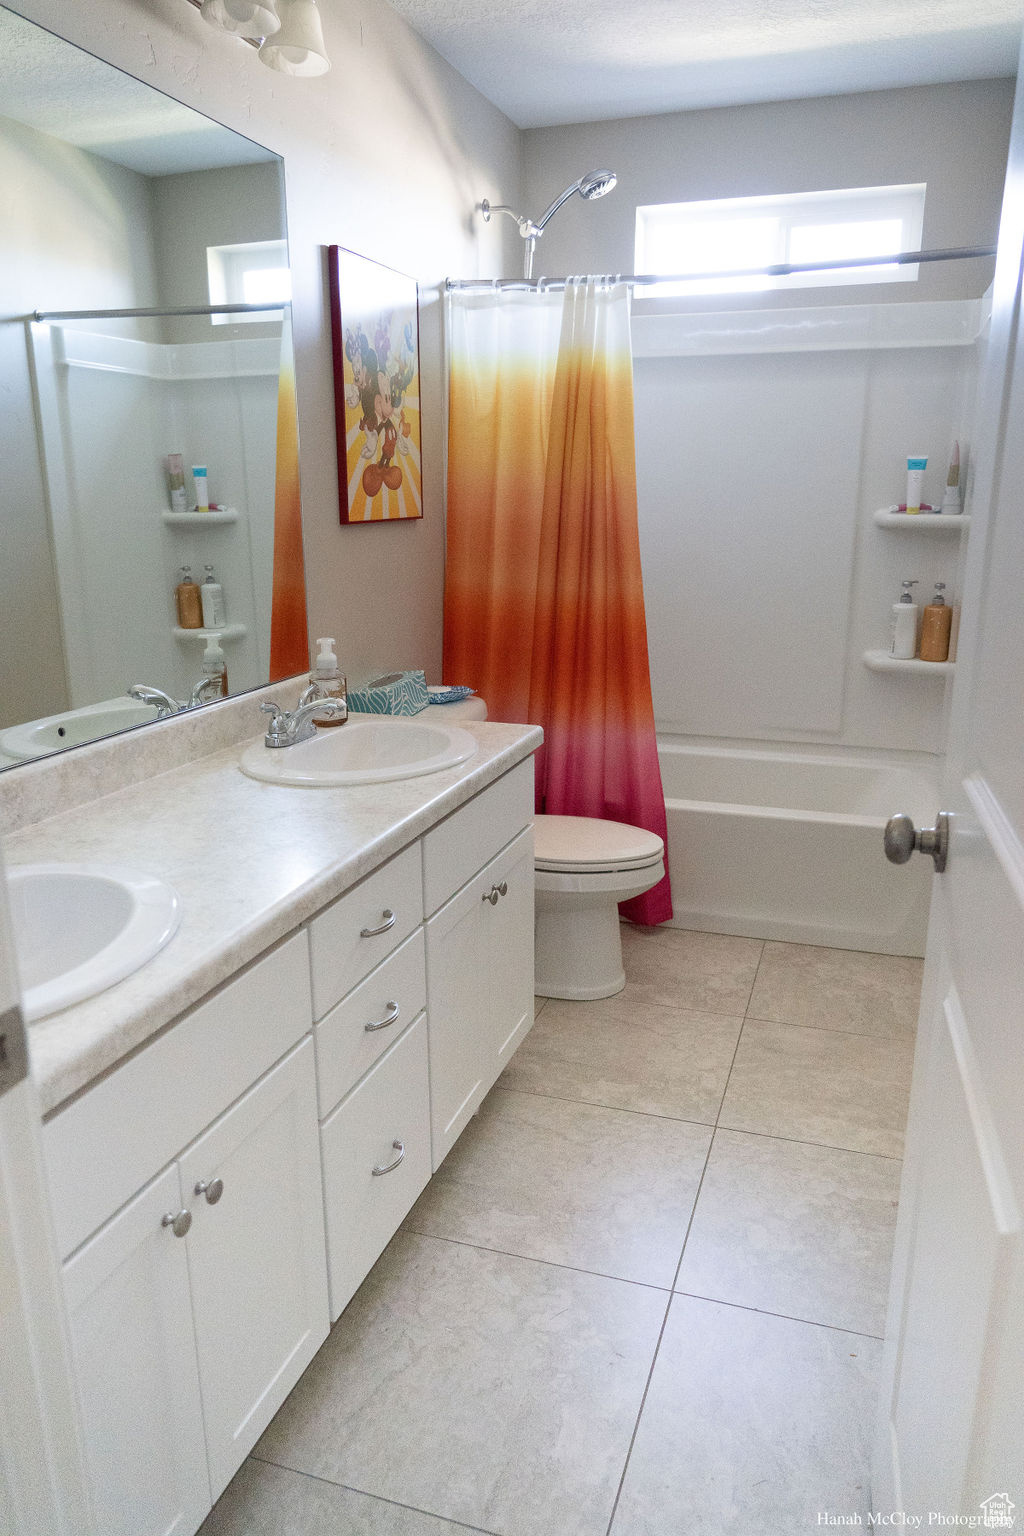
x: 209, y: 519
x: 229, y: 632
x: 922, y: 522
x: 881, y: 661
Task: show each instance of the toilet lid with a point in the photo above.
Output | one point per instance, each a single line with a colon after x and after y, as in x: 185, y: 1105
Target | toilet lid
x: 579, y: 843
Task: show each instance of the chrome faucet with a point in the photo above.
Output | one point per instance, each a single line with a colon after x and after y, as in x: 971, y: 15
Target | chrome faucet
x: 285, y: 729
x: 165, y: 705
x: 207, y: 689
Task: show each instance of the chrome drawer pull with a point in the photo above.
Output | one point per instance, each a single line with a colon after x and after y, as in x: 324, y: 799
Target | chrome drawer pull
x: 178, y: 1221
x: 491, y: 896
x: 389, y: 921
x: 393, y: 1011
x: 503, y: 888
x: 383, y: 1168
x: 211, y: 1188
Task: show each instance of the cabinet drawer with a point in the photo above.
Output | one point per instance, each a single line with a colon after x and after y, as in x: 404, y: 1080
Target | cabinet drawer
x: 391, y: 996
x: 365, y: 1209
x: 106, y: 1144
x: 355, y: 933
x: 454, y: 851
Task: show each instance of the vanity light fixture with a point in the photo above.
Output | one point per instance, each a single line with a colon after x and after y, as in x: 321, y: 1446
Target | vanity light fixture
x: 288, y: 33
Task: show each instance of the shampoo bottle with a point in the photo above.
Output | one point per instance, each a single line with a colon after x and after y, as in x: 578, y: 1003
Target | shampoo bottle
x: 214, y: 616
x: 176, y: 482
x: 904, y: 625
x: 916, y: 466
x: 200, y: 481
x: 936, y: 623
x: 214, y: 664
x: 188, y: 601
x: 328, y: 682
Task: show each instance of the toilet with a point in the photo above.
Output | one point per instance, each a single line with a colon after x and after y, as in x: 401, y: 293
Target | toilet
x: 583, y: 868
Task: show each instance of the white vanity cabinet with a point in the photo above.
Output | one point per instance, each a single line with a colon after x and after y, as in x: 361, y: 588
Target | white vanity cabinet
x: 221, y: 1195
x: 195, y: 1308
x: 479, y: 948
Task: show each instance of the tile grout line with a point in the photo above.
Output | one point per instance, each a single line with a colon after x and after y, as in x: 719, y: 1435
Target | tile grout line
x: 529, y: 1258
x: 668, y: 1308
x: 378, y: 1498
x: 619, y: 1109
x: 788, y: 1317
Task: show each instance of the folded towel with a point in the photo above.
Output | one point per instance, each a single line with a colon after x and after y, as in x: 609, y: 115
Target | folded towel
x: 450, y: 695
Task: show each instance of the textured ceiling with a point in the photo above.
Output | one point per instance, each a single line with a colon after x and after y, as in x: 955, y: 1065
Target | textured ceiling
x: 59, y: 89
x: 563, y: 61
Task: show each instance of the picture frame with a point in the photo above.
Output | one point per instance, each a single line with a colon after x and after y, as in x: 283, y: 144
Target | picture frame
x: 375, y: 337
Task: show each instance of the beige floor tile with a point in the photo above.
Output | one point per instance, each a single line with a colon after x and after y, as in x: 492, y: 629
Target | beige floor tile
x: 486, y: 1389
x: 710, y: 972
x: 837, y: 989
x: 597, y: 1189
x: 802, y: 1230
x: 752, y: 1425
x: 628, y: 1055
x: 819, y: 1085
x: 272, y: 1501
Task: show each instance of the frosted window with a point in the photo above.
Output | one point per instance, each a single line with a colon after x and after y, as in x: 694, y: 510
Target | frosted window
x: 733, y: 235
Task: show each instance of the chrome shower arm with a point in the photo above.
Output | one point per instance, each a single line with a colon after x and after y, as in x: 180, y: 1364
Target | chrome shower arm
x: 527, y: 228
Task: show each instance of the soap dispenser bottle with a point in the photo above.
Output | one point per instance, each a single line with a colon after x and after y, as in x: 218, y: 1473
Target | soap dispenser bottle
x: 936, y: 624
x: 214, y: 614
x: 903, y: 645
x: 214, y: 665
x: 326, y: 682
x: 187, y: 601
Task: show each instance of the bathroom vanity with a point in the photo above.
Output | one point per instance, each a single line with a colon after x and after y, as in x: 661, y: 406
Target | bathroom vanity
x: 235, y: 1132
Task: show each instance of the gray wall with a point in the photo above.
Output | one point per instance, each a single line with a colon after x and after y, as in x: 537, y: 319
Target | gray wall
x: 387, y: 154
x: 954, y: 137
x: 85, y: 243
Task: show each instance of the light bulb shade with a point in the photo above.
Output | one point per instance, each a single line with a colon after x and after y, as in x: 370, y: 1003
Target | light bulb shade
x: 298, y: 48
x: 242, y: 18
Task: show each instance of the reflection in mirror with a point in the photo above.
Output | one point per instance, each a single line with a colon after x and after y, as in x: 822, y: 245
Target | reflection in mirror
x: 145, y: 315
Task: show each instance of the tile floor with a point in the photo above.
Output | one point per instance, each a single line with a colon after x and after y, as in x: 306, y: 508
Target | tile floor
x: 645, y: 1293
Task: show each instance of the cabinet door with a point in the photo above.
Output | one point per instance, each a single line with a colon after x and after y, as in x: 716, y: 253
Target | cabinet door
x: 369, y: 1181
x: 131, y: 1332
x: 456, y: 990
x: 507, y: 943
x: 256, y: 1257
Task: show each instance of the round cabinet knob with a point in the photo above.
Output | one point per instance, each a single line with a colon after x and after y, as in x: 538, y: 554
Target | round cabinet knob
x: 211, y: 1188
x: 900, y: 838
x: 178, y: 1221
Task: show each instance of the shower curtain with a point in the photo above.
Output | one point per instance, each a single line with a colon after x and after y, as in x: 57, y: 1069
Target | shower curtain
x: 544, y: 608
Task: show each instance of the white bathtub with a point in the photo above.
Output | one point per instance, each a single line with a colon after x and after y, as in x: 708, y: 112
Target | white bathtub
x: 788, y: 845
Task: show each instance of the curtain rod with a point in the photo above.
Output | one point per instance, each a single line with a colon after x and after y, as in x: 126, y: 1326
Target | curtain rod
x: 155, y: 314
x: 783, y: 269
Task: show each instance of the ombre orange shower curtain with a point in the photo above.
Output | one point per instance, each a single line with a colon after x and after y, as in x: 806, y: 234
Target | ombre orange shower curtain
x: 544, y: 606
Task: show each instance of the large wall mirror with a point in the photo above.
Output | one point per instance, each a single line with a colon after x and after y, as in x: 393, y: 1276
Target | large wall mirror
x: 114, y: 198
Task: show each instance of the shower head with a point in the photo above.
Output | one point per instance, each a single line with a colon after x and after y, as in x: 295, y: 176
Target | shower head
x: 592, y: 185
x: 596, y: 184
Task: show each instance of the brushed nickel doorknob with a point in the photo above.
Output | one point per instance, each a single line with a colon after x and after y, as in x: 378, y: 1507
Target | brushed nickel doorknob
x: 902, y: 838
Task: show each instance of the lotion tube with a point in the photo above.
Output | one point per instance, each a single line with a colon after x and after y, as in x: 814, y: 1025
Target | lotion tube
x: 202, y: 492
x: 916, y: 467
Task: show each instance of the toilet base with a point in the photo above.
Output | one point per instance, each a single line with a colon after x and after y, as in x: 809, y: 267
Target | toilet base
x: 578, y: 951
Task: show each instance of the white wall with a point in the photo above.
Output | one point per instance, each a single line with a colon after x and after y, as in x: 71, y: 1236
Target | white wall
x: 954, y: 137
x: 74, y: 232
x: 388, y: 155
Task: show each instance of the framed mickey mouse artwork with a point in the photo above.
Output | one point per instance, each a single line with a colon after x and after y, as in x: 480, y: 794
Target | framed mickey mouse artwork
x: 376, y: 347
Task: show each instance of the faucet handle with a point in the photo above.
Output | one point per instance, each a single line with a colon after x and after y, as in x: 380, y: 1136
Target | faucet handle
x: 272, y: 709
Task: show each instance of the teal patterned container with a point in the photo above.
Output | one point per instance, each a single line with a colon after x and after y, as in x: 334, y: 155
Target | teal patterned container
x: 399, y: 693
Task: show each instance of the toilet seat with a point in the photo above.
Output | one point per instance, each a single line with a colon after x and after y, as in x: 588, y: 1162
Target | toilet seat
x: 587, y: 845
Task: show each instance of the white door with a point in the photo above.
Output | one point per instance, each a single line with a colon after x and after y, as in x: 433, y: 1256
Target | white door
x: 256, y: 1257
x: 951, y: 1436
x: 42, y: 1477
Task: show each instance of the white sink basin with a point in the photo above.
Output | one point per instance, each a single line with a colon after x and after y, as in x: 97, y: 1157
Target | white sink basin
x: 366, y: 750
x: 78, y: 928
x: 73, y: 728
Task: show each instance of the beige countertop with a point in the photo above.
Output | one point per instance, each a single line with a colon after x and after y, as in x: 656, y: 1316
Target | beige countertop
x: 250, y: 862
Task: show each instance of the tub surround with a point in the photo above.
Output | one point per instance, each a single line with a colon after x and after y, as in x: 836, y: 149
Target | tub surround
x: 250, y: 861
